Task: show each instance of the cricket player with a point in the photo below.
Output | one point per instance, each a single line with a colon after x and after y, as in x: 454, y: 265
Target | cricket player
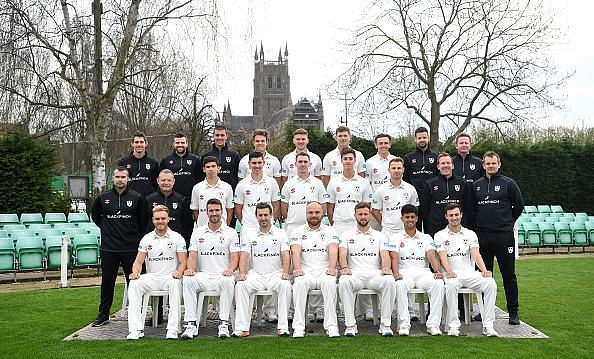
x: 332, y: 164
x: 458, y: 251
x: 314, y: 252
x: 214, y: 256
x: 164, y: 252
x: 211, y: 187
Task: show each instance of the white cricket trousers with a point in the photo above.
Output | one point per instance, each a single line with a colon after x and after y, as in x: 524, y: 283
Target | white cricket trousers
x: 315, y: 280
x: 201, y: 282
x: 146, y: 283
x: 475, y: 281
x: 419, y: 278
x: 253, y: 283
x: 348, y: 285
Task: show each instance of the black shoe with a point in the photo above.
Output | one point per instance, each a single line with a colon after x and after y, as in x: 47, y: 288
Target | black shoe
x: 477, y: 318
x: 414, y: 319
x: 149, y: 322
x: 514, y: 319
x: 100, y: 321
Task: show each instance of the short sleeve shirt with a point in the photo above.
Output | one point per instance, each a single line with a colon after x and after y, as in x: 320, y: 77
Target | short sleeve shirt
x: 203, y: 191
x: 332, y: 165
x: 272, y: 166
x: 249, y: 193
x: 376, y: 170
x: 161, y: 251
x: 214, y: 248
x: 363, y: 248
x: 457, y: 246
x: 345, y: 193
x: 412, y: 251
x: 314, y: 245
x: 265, y: 248
x: 289, y: 169
x: 297, y: 193
x: 390, y: 199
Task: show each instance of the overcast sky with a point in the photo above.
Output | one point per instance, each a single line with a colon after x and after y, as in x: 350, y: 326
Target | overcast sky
x: 313, y: 31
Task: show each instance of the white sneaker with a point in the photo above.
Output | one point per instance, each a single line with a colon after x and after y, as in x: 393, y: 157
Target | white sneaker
x: 369, y: 315
x: 319, y: 315
x: 135, y: 335
x: 454, y: 333
x: 224, y: 330
x: 298, y: 333
x: 490, y: 332
x: 171, y: 334
x: 333, y: 333
x: 190, y: 332
x: 351, y: 331
x: 282, y: 333
x: 270, y: 317
x: 386, y: 331
x: 404, y: 332
x: 433, y: 330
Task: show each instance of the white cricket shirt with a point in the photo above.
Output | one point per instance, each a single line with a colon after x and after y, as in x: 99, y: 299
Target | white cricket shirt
x: 345, y: 193
x: 202, y: 192
x: 314, y: 246
x: 297, y: 193
x: 161, y: 251
x: 363, y: 248
x: 289, y: 168
x: 457, y: 247
x: 390, y: 199
x: 272, y: 166
x: 214, y: 248
x: 412, y: 250
x: 249, y: 193
x: 332, y: 165
x: 376, y: 170
x: 265, y: 249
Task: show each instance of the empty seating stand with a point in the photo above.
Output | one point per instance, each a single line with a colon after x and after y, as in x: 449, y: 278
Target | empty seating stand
x: 55, y: 218
x: 29, y: 218
x: 8, y: 218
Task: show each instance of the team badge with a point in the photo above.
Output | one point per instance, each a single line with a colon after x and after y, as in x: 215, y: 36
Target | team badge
x: 405, y: 195
x: 372, y: 240
x: 247, y: 192
x: 510, y: 250
x: 386, y: 198
x: 292, y: 190
x: 291, y: 166
x: 169, y: 245
x: 221, y: 240
x: 472, y: 166
x: 201, y: 240
x: 465, y: 242
x: 497, y: 188
x: 275, y: 242
x: 148, y: 166
x: 201, y: 197
x: 221, y: 195
x: 170, y: 162
x: 228, y: 159
x: 150, y: 247
x: 155, y: 204
x: 337, y: 189
x: 375, y: 170
x: 435, y: 188
x: 189, y: 162
x: 333, y: 163
x: 431, y: 160
x: 357, y: 189
x: 254, y: 243
x: 106, y: 201
x: 312, y: 189
x: 414, y: 160
x: 457, y: 187
x: 129, y: 203
x: 420, y: 245
x: 478, y: 188
x: 128, y: 166
x: 446, y: 242
x: 174, y: 205
x: 266, y: 189
x: 303, y: 237
x: 351, y: 241
x: 401, y: 244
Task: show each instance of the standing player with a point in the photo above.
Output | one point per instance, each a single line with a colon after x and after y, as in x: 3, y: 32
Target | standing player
x: 345, y: 191
x: 272, y: 166
x: 228, y: 159
x: 213, y: 259
x: 184, y: 165
x: 211, y: 187
x: 164, y: 252
x: 389, y: 198
x: 376, y: 167
x: 289, y: 165
x: 118, y: 213
x: 267, y: 248
x: 255, y: 188
x: 498, y: 204
x: 298, y: 191
x: 332, y: 165
x: 420, y: 165
x: 466, y: 166
x: 441, y: 190
x: 142, y: 169
x: 314, y: 252
x: 410, y: 263
x: 364, y: 258
x: 458, y: 250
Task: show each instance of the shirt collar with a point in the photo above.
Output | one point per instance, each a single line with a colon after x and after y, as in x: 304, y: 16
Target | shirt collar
x: 166, y: 235
x: 217, y: 185
x: 261, y: 181
x: 260, y: 233
x: 368, y: 231
x: 309, y: 229
x: 456, y: 233
x: 219, y: 230
x: 401, y: 185
x: 416, y: 236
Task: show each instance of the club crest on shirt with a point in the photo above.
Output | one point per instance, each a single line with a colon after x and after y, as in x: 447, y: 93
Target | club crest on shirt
x: 497, y: 188
x: 457, y: 188
x: 292, y: 190
x: 106, y: 201
x: 333, y: 163
x: 247, y: 192
x: 357, y: 189
x: 228, y: 159
x: 371, y: 240
x: 472, y: 166
x: 174, y: 205
x: 303, y: 237
x: 129, y: 203
x: 386, y: 198
x: 420, y: 245
x: 466, y: 242
x: 446, y: 242
x: 291, y: 166
x: 201, y: 197
x: 401, y: 244
x: 189, y: 162
x: 351, y: 241
x: 405, y: 195
x: 147, y: 166
x: 221, y: 240
x: 375, y: 170
x: 200, y: 240
x: 435, y: 188
x: 414, y: 160
x: 170, y: 246
x: 431, y: 160
x: 337, y: 189
x: 254, y: 243
x: 274, y: 242
x: 128, y: 166
x: 312, y: 189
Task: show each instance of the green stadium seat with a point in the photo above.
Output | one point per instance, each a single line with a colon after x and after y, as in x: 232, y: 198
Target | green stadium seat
x: 539, y: 217
x: 85, y: 251
x: 55, y: 218
x: 548, y: 234
x: 530, y: 209
x: 7, y: 256
x: 563, y: 232
x: 581, y: 215
x: 589, y: 226
x: 555, y: 215
x: 72, y: 232
x: 579, y: 233
x: 39, y: 226
x: 551, y: 219
x: 53, y: 252
x: 532, y: 234
x: 14, y: 227
x: 543, y: 208
x: 95, y: 231
x: 29, y: 254
x: 64, y: 226
x: 86, y: 225
x: 566, y: 219
x: 8, y: 218
x: 16, y: 234
x: 77, y: 217
x: 28, y: 218
x: 555, y: 208
x: 44, y: 233
x: 521, y: 235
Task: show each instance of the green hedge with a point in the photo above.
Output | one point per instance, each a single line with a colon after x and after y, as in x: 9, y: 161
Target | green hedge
x: 27, y: 174
x: 549, y: 172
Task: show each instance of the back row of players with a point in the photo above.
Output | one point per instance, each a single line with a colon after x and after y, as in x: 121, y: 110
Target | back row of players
x: 491, y: 203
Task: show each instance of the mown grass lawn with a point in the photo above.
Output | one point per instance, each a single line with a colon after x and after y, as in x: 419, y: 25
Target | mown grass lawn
x: 556, y: 296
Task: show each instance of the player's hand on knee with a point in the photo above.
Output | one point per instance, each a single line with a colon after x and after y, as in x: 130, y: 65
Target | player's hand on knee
x: 346, y: 271
x: 240, y: 277
x: 227, y: 272
x: 177, y: 274
x: 285, y: 276
x: 397, y: 276
x: 487, y: 273
x: 297, y: 273
x: 438, y: 275
x: 450, y: 275
x: 331, y: 271
x: 134, y: 275
x: 189, y: 272
x: 386, y: 271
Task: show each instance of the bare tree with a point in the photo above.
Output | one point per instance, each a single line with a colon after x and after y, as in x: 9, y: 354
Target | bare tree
x: 56, y: 29
x: 451, y: 62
